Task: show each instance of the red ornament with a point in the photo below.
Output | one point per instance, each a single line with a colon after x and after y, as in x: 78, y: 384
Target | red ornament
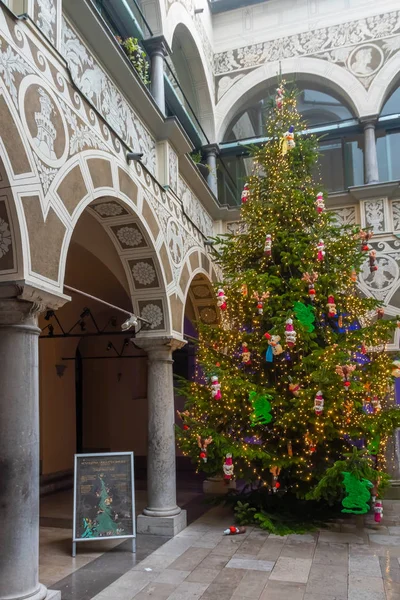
x: 347, y: 384
x: 245, y: 193
x: 186, y: 427
x: 267, y: 336
x: 277, y: 485
x: 232, y: 529
x: 202, y: 455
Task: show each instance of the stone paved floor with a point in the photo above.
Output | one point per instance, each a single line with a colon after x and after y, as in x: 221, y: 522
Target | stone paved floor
x: 342, y: 563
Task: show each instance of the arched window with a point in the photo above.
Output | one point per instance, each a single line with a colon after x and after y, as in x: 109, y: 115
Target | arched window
x: 392, y: 104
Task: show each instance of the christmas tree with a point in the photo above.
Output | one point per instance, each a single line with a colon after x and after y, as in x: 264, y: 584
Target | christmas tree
x: 296, y: 373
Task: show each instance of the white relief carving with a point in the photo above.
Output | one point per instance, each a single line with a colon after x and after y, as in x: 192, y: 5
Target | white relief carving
x: 82, y: 136
x: 47, y: 17
x: 382, y: 280
x: 375, y: 215
x: 365, y: 60
x: 11, y: 63
x: 344, y: 216
x: 194, y: 209
x: 173, y: 170
x: 153, y: 314
x: 236, y: 227
x: 143, y: 273
x: 5, y: 238
x: 396, y: 215
x: 130, y: 236
x: 46, y: 132
x: 174, y: 239
x: 108, y: 209
x: 98, y: 88
x: 208, y: 315
x: 225, y: 84
x: 201, y: 291
x: 46, y: 174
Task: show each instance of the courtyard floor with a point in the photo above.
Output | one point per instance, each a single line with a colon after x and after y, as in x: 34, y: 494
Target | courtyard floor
x: 343, y: 562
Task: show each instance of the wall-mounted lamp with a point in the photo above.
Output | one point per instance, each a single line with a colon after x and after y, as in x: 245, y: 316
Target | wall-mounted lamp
x: 60, y: 370
x: 134, y: 156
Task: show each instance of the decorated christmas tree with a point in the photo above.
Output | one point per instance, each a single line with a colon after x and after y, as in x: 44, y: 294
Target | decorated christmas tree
x: 297, y: 371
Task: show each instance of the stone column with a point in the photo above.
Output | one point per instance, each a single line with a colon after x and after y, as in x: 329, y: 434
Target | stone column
x: 157, y: 48
x: 371, y: 173
x: 260, y: 119
x: 19, y: 452
x: 211, y: 153
x: 162, y: 515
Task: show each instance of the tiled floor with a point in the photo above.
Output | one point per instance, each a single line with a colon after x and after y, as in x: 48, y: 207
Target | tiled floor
x: 343, y: 563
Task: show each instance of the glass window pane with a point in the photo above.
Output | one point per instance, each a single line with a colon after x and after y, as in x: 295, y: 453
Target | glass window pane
x: 392, y: 105
x: 331, y: 165
x: 354, y: 161
x: 381, y: 149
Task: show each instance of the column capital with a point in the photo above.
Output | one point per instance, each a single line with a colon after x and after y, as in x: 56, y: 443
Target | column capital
x: 211, y: 149
x: 368, y: 120
x: 157, y: 45
x: 21, y: 303
x: 159, y: 343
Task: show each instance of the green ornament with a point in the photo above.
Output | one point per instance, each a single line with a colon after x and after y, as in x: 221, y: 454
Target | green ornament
x: 304, y: 313
x: 261, y: 409
x: 357, y: 494
x: 373, y: 446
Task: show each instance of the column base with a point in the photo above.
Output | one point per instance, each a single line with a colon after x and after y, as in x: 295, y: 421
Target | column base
x: 217, y: 486
x: 168, y: 526
x: 53, y: 595
x: 42, y: 594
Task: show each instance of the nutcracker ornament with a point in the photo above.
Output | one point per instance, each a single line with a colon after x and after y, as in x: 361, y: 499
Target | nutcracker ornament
x: 319, y: 403
x: 274, y: 347
x: 215, y: 388
x: 365, y: 238
x: 245, y: 193
x: 319, y: 203
x: 372, y: 261
x: 294, y: 388
x: 345, y: 371
x: 378, y: 510
x: 202, y: 444
x: 260, y: 301
x: 320, y: 250
x: 290, y: 333
x: 310, y: 278
x: 246, y: 354
x: 331, y: 307
x: 183, y: 416
x: 275, y: 474
x: 279, y: 98
x: 268, y: 245
x: 221, y: 299
x: 234, y: 530
x: 228, y: 468
x: 376, y: 404
x: 287, y: 142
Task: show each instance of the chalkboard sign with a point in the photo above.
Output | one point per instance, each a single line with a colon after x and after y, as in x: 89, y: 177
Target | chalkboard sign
x: 104, y: 499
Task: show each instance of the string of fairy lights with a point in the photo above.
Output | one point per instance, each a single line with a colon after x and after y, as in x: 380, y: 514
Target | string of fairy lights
x: 264, y: 278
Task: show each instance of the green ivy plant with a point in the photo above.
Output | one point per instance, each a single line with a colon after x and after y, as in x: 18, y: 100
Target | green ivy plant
x: 137, y: 57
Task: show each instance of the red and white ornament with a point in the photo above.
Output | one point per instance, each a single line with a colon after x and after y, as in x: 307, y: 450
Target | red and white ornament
x: 319, y: 403
x: 202, y: 444
x: 290, y: 333
x: 365, y: 238
x: 294, y: 388
x: 310, y: 278
x: 268, y: 245
x: 345, y: 371
x: 372, y: 261
x: 378, y: 510
x: 279, y: 98
x: 260, y: 301
x: 331, y: 306
x: 320, y: 250
x: 245, y: 193
x: 319, y: 203
x: 221, y: 299
x: 228, y: 468
x: 246, y: 354
x: 234, y: 530
x: 275, y: 471
x: 215, y: 388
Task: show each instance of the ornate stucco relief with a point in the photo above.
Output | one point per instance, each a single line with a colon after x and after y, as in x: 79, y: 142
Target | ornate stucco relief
x: 194, y: 209
x: 344, y: 216
x: 45, y: 12
x: 362, y: 47
x: 383, y: 283
x: 98, y: 88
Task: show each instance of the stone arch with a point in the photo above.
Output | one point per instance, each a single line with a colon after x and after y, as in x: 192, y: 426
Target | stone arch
x: 189, y: 61
x: 384, y: 84
x: 330, y: 76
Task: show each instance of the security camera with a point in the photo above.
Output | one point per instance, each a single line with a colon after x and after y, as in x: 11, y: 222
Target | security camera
x: 129, y: 323
x: 134, y: 156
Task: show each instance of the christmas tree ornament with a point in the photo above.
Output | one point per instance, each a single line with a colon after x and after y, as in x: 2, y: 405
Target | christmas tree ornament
x: 287, y: 142
x: 310, y: 278
x: 331, y: 306
x: 245, y: 193
x: 203, y: 444
x: 260, y: 301
x: 345, y: 371
x: 261, y: 404
x: 221, y: 299
x: 320, y: 250
x: 305, y: 314
x: 358, y: 494
x: 376, y: 404
x: 244, y: 290
x: 268, y: 245
x: 319, y: 203
x: 246, y: 354
x: 234, y: 530
x: 184, y: 415
x: 367, y: 406
x: 279, y: 98
x: 215, y: 388
x: 227, y: 467
x: 372, y: 261
x: 380, y: 313
x: 396, y: 368
x: 294, y: 388
x: 365, y: 238
x: 353, y: 275
x: 319, y: 403
x: 378, y: 511
x: 275, y: 471
x: 289, y: 449
x: 290, y: 333
x: 274, y: 347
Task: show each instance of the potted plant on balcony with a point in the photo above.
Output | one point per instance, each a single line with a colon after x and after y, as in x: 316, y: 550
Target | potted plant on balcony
x: 203, y: 168
x: 137, y: 57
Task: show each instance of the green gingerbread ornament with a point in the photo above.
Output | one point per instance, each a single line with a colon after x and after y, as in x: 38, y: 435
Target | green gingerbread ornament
x: 357, y: 494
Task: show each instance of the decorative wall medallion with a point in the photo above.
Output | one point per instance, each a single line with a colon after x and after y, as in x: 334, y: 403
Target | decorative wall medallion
x: 208, y: 315
x: 129, y: 236
x: 44, y: 121
x: 144, y: 273
x: 152, y: 312
x: 374, y: 214
x: 383, y: 283
x: 109, y: 209
x: 201, y: 291
x: 365, y: 60
x: 174, y: 240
